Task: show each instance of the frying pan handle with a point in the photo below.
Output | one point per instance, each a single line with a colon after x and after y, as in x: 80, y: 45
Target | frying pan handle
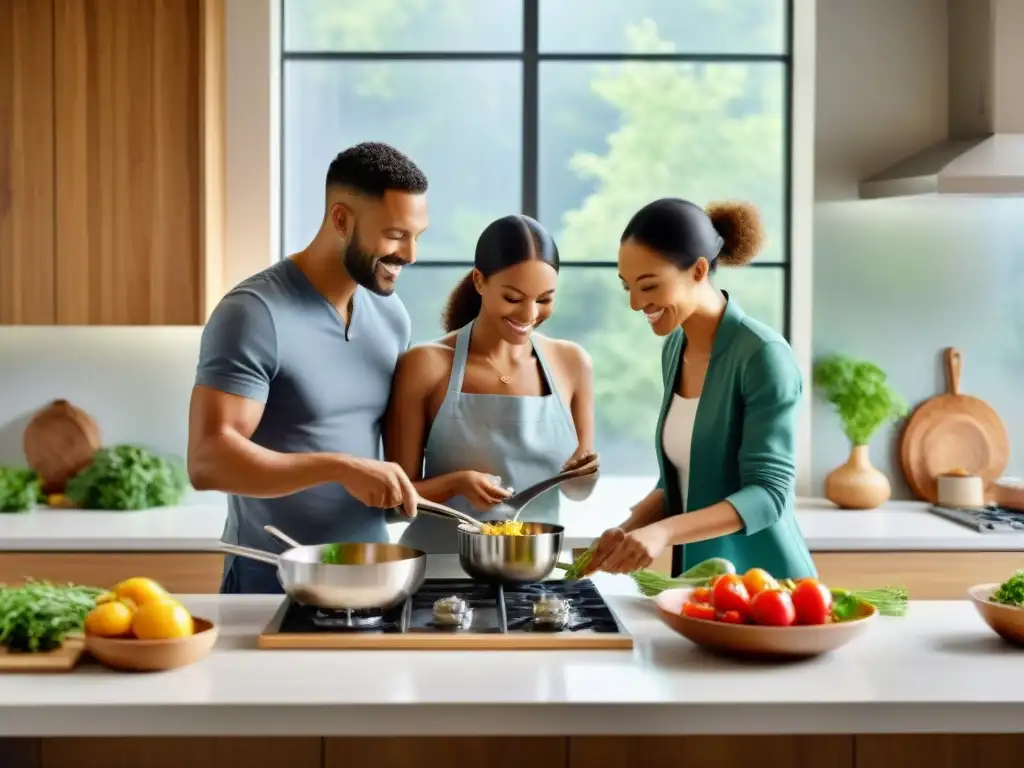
x: 954, y: 366
x: 252, y: 554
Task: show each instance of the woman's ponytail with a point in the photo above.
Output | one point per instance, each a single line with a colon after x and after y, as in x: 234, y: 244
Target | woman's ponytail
x: 463, y: 305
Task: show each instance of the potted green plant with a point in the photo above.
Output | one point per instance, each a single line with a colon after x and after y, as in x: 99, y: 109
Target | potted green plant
x: 864, y: 401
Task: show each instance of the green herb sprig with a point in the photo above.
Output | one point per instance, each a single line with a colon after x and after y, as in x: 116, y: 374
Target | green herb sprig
x: 860, y: 394
x: 38, y: 615
x: 1011, y: 591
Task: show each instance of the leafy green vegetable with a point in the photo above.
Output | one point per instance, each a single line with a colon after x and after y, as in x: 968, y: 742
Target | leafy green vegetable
x: 1011, y: 591
x: 575, y: 571
x: 652, y: 583
x: 888, y: 601
x: 19, y: 489
x: 128, y: 477
x: 39, y: 615
x: 860, y: 394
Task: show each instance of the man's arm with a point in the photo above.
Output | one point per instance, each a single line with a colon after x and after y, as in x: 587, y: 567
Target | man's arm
x: 222, y: 457
x: 237, y: 361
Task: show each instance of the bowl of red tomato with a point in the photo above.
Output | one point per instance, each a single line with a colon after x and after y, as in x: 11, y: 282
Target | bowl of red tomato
x: 757, y: 616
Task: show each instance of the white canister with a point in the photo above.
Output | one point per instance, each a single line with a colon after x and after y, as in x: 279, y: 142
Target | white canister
x: 961, y: 491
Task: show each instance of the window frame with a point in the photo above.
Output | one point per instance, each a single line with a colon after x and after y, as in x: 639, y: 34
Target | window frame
x: 255, y: 47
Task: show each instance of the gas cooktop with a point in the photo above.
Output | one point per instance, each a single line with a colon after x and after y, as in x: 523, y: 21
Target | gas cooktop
x: 987, y: 520
x: 460, y: 614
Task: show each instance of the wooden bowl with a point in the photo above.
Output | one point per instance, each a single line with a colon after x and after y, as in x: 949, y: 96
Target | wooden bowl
x: 154, y: 655
x: 1008, y: 493
x: 759, y: 642
x: 1006, y: 621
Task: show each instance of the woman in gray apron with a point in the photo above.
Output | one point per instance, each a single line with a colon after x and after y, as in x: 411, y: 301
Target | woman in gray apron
x: 490, y: 407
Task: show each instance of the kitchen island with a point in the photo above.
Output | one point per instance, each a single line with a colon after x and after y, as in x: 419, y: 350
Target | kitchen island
x: 893, y: 692
x: 900, y: 542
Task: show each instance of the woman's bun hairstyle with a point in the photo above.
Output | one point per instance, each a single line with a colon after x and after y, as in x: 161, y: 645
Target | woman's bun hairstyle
x: 741, y: 229
x: 463, y: 305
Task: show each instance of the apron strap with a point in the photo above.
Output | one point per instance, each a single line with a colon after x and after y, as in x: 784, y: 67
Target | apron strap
x: 551, y: 381
x: 459, y: 360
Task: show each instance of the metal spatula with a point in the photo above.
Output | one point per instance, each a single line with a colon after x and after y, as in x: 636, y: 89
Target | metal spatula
x: 515, y: 504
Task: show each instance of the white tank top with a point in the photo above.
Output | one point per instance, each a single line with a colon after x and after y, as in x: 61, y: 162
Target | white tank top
x: 677, y: 438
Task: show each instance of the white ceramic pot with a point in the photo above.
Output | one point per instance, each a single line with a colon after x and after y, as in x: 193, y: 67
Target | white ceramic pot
x: 961, y: 492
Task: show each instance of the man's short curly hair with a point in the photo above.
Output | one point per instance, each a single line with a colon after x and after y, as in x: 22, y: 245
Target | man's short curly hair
x: 372, y: 168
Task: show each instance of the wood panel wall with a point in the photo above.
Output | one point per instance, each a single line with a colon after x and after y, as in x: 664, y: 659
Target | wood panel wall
x: 27, y: 293
x: 111, y: 161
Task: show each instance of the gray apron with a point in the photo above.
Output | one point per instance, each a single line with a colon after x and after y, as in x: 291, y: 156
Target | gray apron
x: 522, y: 440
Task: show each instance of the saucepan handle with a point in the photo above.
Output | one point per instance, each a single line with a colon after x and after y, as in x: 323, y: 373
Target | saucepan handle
x: 440, y: 510
x: 252, y: 554
x: 281, y: 536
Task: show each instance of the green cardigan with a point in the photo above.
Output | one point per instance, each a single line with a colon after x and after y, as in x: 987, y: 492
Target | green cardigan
x: 743, y: 448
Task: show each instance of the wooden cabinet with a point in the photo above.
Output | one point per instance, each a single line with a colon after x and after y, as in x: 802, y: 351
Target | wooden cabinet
x: 827, y: 751
x: 926, y: 575
x: 180, y: 572
x: 26, y: 163
x: 111, y: 182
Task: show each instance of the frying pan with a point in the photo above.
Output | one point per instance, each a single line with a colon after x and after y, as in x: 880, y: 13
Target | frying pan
x: 505, y: 560
x: 952, y: 431
x: 360, y: 576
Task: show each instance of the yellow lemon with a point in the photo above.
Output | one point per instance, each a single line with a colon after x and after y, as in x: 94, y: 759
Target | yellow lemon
x: 110, y: 619
x: 140, y: 590
x: 162, y: 620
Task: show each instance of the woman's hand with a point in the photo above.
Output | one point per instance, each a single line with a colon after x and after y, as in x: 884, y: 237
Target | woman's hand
x: 479, y: 488
x: 580, y: 487
x: 620, y: 552
x: 581, y: 458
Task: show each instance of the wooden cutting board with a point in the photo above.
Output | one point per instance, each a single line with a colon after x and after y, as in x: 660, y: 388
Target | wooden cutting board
x: 63, y: 659
x: 952, y: 431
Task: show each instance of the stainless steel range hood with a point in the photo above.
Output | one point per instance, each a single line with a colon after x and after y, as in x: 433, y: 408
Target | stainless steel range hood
x: 984, y: 151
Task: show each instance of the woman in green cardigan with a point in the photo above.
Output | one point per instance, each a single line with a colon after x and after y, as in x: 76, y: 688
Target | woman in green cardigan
x: 726, y: 434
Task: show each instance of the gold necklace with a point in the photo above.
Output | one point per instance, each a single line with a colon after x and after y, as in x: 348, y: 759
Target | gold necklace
x: 504, y: 378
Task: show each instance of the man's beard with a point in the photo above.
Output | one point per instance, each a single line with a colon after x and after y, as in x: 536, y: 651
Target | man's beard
x: 362, y: 267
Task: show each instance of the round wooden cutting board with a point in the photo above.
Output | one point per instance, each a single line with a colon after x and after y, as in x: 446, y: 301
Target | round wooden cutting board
x: 951, y: 432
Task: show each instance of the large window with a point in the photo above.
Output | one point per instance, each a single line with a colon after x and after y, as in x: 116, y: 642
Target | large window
x: 576, y: 112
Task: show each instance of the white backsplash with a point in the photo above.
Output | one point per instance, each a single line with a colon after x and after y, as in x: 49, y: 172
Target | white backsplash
x: 134, y: 381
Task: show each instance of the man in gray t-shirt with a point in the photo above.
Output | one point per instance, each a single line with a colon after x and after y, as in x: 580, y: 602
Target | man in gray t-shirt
x: 295, y: 371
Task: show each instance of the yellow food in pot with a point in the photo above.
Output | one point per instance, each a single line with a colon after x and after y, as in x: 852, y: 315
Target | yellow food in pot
x: 504, y: 528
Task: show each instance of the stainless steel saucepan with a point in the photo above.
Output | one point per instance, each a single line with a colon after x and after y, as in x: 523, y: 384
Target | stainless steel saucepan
x: 502, y: 559
x: 511, y: 559
x: 345, y: 576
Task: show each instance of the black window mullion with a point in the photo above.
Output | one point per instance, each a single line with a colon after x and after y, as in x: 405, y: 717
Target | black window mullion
x: 787, y: 181
x: 531, y: 58
x: 531, y: 101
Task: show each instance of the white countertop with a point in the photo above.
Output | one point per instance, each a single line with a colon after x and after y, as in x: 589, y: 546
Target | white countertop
x: 884, y: 682
x: 197, y: 526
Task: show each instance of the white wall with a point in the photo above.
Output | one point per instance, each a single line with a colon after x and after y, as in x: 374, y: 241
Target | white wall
x: 135, y: 382
x: 898, y: 280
